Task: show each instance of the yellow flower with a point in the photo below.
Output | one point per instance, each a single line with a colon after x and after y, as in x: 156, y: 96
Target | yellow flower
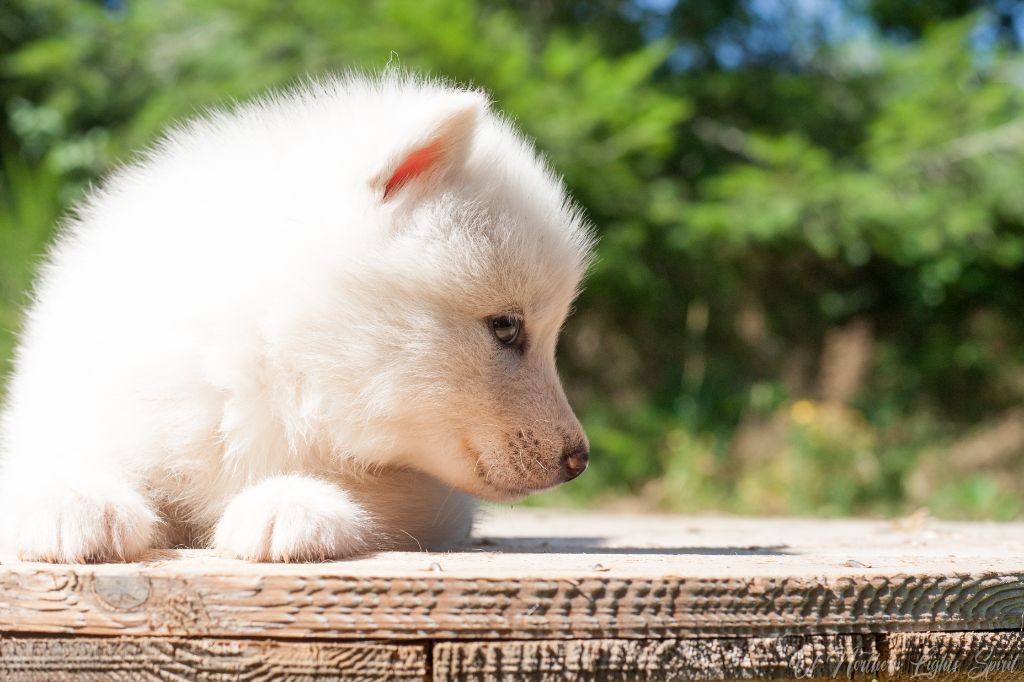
x: 803, y: 411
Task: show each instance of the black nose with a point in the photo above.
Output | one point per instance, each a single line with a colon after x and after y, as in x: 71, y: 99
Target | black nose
x: 574, y: 463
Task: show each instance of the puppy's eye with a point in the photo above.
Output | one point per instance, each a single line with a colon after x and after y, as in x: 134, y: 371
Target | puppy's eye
x: 507, y: 328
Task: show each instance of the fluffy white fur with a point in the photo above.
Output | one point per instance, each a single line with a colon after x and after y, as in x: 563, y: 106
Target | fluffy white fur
x: 272, y: 334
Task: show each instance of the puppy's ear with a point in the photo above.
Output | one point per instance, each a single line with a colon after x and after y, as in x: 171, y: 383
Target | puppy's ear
x: 442, y: 148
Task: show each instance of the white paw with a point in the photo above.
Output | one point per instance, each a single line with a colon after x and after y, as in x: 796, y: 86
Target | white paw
x: 87, y: 519
x: 291, y: 518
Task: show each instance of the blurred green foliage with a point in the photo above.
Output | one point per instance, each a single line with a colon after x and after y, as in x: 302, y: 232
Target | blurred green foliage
x: 809, y: 296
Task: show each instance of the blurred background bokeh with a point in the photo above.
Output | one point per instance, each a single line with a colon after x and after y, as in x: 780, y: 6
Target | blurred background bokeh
x: 809, y: 296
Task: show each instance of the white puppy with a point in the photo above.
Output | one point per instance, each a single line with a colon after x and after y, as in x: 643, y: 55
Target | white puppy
x: 304, y: 328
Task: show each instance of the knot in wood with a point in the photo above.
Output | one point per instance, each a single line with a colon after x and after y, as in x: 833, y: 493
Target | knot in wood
x: 121, y: 592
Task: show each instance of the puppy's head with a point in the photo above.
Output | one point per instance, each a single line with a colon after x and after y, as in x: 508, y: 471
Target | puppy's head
x: 483, y: 257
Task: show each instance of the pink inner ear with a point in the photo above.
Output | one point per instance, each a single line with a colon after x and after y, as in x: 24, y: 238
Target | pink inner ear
x: 418, y: 162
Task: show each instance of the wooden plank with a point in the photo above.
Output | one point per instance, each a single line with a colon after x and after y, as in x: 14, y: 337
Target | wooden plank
x: 545, y: 576
x: 72, y: 600
x: 971, y: 655
x: 952, y: 656
x: 947, y: 657
x: 124, y: 659
x: 824, y: 656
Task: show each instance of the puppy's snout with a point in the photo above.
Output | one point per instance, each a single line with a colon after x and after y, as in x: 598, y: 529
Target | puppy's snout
x: 574, y: 462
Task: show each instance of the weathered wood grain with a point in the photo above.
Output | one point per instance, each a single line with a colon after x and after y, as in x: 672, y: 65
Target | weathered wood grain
x: 76, y: 600
x: 823, y: 656
x: 127, y: 659
x: 945, y: 657
x: 949, y: 657
x: 559, y: 577
x: 973, y: 655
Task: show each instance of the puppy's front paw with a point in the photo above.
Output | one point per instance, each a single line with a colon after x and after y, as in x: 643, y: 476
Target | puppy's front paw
x: 89, y: 519
x: 291, y: 518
